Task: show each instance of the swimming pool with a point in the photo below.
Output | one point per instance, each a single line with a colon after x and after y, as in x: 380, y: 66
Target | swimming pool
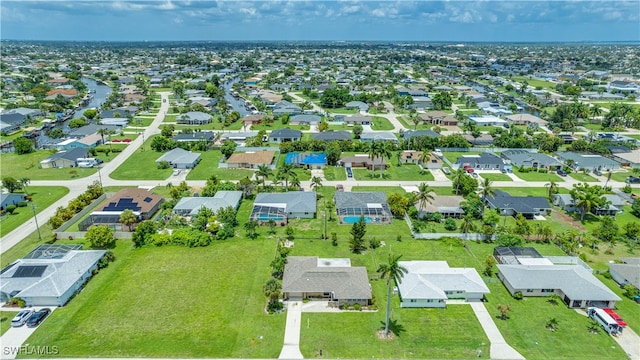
x: 306, y: 159
x: 355, y: 219
x: 267, y: 217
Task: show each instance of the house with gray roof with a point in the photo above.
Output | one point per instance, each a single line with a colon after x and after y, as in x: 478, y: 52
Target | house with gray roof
x: 332, y: 135
x: 613, y: 204
x: 528, y: 206
x: 194, y: 118
x: 409, y: 134
x: 285, y: 135
x: 357, y: 119
x: 448, y: 206
x: 378, y: 136
x: 8, y: 128
x: 361, y: 106
x: 575, y: 284
x: 527, y: 159
x: 190, y: 206
x: 590, y: 162
x: 335, y: 280
x: 627, y: 272
x: 50, y: 275
x: 282, y: 206
x: 304, y: 119
x: 431, y: 283
x: 65, y: 159
x: 484, y: 161
x: 195, y: 136
x: 180, y: 159
x: 286, y: 107
x: 91, y: 129
x: 7, y: 199
x: 372, y: 205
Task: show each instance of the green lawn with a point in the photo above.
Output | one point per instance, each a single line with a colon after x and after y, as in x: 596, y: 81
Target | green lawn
x: 209, y: 166
x: 496, y: 177
x: 140, y: 121
x: 141, y: 165
x: 28, y: 165
x: 583, y: 177
x: 621, y: 175
x: 214, y: 125
x: 453, y: 155
x: 42, y: 198
x: 381, y: 123
x: 536, y: 83
x: 5, y: 320
x: 170, y: 118
x: 411, y: 126
x: 408, y: 172
x: 334, y: 173
x: 343, y: 111
x: 536, y: 176
x: 278, y: 125
x: 127, y: 309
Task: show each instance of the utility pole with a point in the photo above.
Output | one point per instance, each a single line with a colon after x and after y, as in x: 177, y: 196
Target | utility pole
x: 33, y: 207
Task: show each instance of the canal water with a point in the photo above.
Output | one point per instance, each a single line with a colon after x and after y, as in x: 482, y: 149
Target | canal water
x: 100, y: 94
x: 236, y: 104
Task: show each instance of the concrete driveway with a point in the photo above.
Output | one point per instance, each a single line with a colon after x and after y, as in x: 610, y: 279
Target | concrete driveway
x: 291, y: 347
x: 14, y: 338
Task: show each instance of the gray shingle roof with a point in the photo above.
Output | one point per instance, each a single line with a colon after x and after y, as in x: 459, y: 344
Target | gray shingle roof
x: 430, y: 280
x: 631, y: 272
x: 574, y: 280
x: 295, y: 201
x: 179, y: 156
x: 71, y: 155
x: 286, y: 133
x: 302, y: 274
x: 526, y: 158
x: 221, y: 199
x: 520, y: 204
x: 206, y: 135
x: 358, y: 199
x: 332, y: 135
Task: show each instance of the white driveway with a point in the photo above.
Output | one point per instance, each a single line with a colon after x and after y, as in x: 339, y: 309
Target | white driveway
x: 499, y: 348
x: 14, y: 338
x: 291, y: 347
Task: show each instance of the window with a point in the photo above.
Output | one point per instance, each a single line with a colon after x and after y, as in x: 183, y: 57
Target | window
x: 529, y: 290
x: 413, y: 300
x: 547, y: 290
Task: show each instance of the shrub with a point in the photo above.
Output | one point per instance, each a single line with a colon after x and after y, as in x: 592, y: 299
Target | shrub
x: 334, y: 239
x: 108, y: 257
x: 399, y: 238
x: 518, y: 295
x: 164, y: 165
x: 22, y: 204
x: 11, y: 208
x: 583, y: 257
x: 357, y: 307
x: 543, y: 171
x: 630, y: 291
x: 450, y: 224
x: 374, y: 243
x: 16, y: 302
x: 274, y: 306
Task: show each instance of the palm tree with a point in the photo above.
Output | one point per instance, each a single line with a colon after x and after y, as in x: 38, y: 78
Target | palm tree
x: 286, y: 171
x: 424, y: 195
x: 384, y: 151
x: 457, y: 176
x: 374, y: 148
x: 392, y: 271
x: 486, y: 191
x: 424, y: 159
x: 295, y: 182
x: 264, y: 171
x: 316, y: 183
x: 467, y: 224
x: 25, y: 182
x: 103, y: 132
x: 595, y: 111
x: 553, y: 188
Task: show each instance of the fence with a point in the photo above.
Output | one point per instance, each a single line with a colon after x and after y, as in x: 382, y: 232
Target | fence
x: 81, y: 235
x: 434, y: 236
x: 82, y: 213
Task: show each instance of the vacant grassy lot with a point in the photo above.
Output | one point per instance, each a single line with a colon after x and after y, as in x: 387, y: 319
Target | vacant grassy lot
x: 394, y: 172
x: 209, y: 166
x: 278, y: 125
x: 536, y: 176
x: 142, y: 121
x: 495, y: 177
x: 404, y: 120
x: 536, y: 83
x: 141, y: 165
x: 381, y: 123
x: 334, y: 173
x: 583, y: 177
x: 42, y: 198
x: 147, y: 304
x: 28, y: 165
x: 5, y: 320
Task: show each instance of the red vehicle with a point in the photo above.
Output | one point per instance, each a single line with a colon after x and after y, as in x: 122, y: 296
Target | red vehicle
x: 615, y: 316
x: 127, y: 140
x: 116, y: 140
x: 469, y: 170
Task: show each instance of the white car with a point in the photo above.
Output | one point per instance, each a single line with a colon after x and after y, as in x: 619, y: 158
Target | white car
x: 176, y: 172
x: 21, y: 318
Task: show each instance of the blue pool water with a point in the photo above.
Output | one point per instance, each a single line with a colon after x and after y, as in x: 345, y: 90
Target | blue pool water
x: 266, y: 217
x: 354, y: 219
x: 306, y: 159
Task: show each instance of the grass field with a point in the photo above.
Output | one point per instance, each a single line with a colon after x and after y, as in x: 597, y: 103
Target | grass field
x: 411, y: 126
x: 42, y: 198
x: 583, y: 177
x: 334, y: 173
x: 5, y: 320
x: 28, y: 165
x: 209, y: 166
x: 536, y: 83
x: 381, y: 123
x: 408, y: 172
x: 453, y: 156
x: 141, y: 165
x: 495, y: 177
x: 536, y: 176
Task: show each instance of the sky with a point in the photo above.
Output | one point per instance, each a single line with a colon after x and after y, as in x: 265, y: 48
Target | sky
x: 402, y: 20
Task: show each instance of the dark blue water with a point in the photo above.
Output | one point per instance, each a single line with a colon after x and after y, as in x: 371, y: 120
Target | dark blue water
x: 102, y: 92
x: 237, y: 104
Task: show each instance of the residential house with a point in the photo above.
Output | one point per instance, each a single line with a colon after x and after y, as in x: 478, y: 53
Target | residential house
x: 363, y: 161
x: 310, y: 277
x: 286, y: 107
x: 285, y: 135
x: 613, y: 204
x: 439, y: 118
x: 142, y: 202
x: 421, y: 103
x: 525, y: 271
x: 66, y: 93
x: 123, y: 112
x: 627, y: 272
x: 281, y: 207
x: 65, y: 159
x: 431, y: 283
x: 238, y: 136
x: 591, y: 162
x: 527, y: 159
x: 7, y: 199
x: 250, y: 160
x: 194, y: 118
x: 180, y: 159
x: 358, y: 119
x: 91, y: 129
x: 483, y: 139
x: 14, y: 119
x: 484, y: 161
x: 304, y: 119
x: 195, y: 136
x: 620, y: 85
x: 8, y: 128
x: 525, y: 119
x: 50, y: 275
x: 378, y: 136
x: 307, y: 160
x: 528, y: 206
x: 413, y: 157
x: 359, y: 105
x: 190, y: 206
x: 332, y: 135
x: 253, y: 119
x: 487, y: 120
x: 372, y: 205
x: 447, y: 206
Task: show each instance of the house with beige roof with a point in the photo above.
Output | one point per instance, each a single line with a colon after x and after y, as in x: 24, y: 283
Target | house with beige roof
x: 250, y: 160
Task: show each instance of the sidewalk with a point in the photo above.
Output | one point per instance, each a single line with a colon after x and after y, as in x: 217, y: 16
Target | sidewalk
x: 291, y: 347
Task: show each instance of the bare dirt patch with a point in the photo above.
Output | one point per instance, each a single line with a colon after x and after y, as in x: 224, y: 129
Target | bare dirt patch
x: 568, y: 219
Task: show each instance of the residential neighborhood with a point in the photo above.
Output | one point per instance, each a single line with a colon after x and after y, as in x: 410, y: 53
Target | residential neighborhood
x: 321, y: 200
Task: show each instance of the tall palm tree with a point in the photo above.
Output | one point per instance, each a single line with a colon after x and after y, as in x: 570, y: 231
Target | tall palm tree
x: 286, y: 172
x: 295, y: 181
x: 264, y: 171
x: 102, y: 132
x: 424, y: 159
x: 424, y: 195
x: 486, y: 191
x: 391, y: 271
x: 457, y: 176
x: 595, y: 111
x: 384, y: 151
x: 374, y: 149
x: 316, y: 183
x: 467, y: 224
x: 552, y: 187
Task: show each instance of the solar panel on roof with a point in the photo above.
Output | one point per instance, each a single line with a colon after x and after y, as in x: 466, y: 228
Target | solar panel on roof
x: 28, y: 271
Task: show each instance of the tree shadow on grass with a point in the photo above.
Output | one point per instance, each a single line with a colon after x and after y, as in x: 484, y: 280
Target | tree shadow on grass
x: 394, y: 327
